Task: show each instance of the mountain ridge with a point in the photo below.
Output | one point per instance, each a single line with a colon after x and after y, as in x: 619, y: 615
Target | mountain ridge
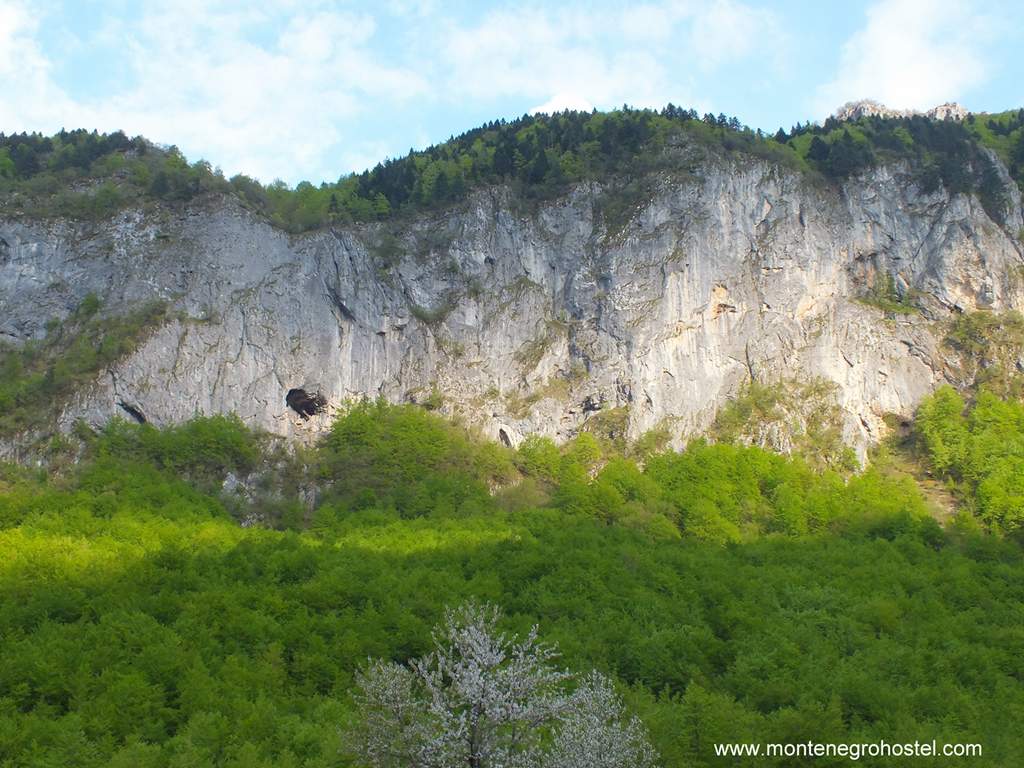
x: 622, y: 306
x: 82, y: 174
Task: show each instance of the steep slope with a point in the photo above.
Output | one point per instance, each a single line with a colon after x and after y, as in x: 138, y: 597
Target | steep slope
x: 619, y: 307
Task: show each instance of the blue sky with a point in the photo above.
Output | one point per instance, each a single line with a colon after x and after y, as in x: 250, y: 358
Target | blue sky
x: 313, y: 90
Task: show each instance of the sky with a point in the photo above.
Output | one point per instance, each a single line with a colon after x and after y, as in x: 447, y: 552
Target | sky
x: 304, y: 89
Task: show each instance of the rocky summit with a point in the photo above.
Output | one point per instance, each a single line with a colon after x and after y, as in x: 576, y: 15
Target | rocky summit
x: 855, y: 110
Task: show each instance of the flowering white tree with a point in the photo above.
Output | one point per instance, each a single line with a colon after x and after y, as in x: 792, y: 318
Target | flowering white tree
x: 596, y: 733
x: 483, y: 699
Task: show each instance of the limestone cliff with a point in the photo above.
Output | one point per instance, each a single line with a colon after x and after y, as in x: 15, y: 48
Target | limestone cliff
x: 532, y: 318
x: 855, y: 110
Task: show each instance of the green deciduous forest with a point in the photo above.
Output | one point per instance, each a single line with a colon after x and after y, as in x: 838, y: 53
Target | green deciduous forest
x: 89, y: 175
x: 153, y: 615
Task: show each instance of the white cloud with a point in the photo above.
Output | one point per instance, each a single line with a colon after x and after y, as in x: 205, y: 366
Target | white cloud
x: 911, y: 54
x: 31, y: 99
x: 411, y: 8
x: 575, y: 56
x: 726, y: 30
x: 277, y: 89
x: 268, y: 109
x: 367, y: 155
x: 561, y: 102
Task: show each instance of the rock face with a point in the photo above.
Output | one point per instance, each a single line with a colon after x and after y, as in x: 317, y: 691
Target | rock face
x: 855, y: 110
x: 531, y: 319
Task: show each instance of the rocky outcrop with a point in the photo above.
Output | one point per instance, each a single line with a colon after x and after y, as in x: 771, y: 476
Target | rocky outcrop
x: 855, y: 110
x: 532, y: 318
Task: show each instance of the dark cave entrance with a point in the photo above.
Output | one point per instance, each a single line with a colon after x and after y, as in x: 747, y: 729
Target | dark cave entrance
x: 305, y: 404
x: 134, y: 411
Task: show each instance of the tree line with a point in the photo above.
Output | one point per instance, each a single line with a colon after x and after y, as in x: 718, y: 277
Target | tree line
x: 538, y: 155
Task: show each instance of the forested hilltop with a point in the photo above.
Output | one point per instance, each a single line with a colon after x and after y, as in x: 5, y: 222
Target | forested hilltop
x: 83, y: 174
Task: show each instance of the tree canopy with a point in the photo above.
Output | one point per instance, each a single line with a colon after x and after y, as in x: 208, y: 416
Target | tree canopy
x: 725, y: 593
x: 540, y: 156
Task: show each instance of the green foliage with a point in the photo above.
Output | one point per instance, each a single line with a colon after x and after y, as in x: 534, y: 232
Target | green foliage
x: 433, y: 315
x: 726, y: 493
x: 1004, y: 134
x: 36, y: 377
x: 141, y: 626
x: 883, y: 294
x: 92, y: 176
x: 539, y: 156
x: 755, y: 404
x: 403, y: 460
x: 539, y: 457
x: 203, y: 448
x: 652, y: 441
x: 407, y: 460
x: 941, y: 424
x: 805, y: 412
x: 610, y: 425
x: 981, y: 450
x: 434, y: 401
x: 945, y: 153
x: 841, y: 157
x: 621, y: 201
x: 989, y: 345
x: 973, y: 332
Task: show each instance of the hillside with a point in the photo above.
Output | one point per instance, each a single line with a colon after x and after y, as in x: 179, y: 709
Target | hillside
x: 197, y: 596
x: 734, y: 420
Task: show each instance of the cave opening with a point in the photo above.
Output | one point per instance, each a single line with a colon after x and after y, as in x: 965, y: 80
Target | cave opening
x: 134, y: 411
x: 304, y: 403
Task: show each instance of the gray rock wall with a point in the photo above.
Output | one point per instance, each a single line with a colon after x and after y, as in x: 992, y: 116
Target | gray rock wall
x: 531, y: 319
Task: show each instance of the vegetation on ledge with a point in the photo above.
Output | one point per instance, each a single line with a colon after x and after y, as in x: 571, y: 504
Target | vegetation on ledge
x: 803, y: 414
x: 989, y: 346
x: 37, y: 377
x: 883, y: 295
